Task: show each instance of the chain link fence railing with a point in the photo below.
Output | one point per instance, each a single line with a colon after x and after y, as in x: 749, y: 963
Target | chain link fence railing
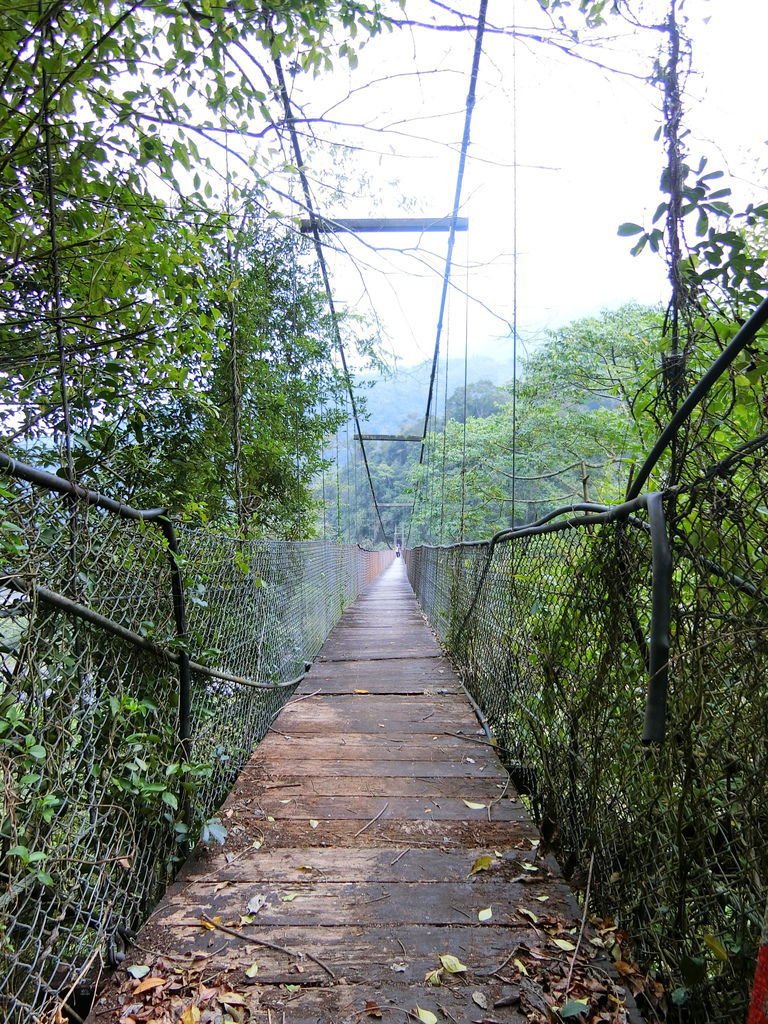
x: 552, y: 634
x: 133, y: 686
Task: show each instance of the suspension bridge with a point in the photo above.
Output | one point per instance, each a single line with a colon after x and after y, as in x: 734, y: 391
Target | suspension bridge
x: 307, y: 781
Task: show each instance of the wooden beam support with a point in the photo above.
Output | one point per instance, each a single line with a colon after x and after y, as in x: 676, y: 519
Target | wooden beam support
x: 357, y: 225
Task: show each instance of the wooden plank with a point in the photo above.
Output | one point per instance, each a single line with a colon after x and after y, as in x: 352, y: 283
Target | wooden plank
x: 383, y: 767
x: 358, y: 903
x: 434, y: 747
x: 295, y: 867
x: 392, y: 807
x: 376, y: 724
x: 354, y: 785
x: 379, y: 683
x: 400, y: 833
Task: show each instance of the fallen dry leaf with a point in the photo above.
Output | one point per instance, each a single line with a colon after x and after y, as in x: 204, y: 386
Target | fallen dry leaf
x: 473, y: 805
x: 372, y: 1009
x: 485, y: 914
x: 148, y: 984
x: 480, y: 999
x: 231, y: 999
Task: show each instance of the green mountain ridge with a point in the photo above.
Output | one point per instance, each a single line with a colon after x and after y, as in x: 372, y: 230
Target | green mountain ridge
x: 398, y: 399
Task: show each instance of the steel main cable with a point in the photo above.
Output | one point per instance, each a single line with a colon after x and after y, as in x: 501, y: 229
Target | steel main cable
x: 310, y: 208
x: 470, y: 105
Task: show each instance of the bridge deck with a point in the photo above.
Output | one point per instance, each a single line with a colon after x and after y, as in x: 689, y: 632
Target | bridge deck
x: 352, y: 835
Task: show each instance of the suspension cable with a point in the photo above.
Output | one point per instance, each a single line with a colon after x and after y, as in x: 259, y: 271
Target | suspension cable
x: 56, y: 289
x: 465, y: 411
x: 514, y: 261
x: 470, y: 105
x: 443, y: 473
x: 313, y: 220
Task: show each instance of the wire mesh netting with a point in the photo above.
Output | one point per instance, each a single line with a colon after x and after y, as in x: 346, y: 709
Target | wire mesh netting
x: 552, y: 641
x: 100, y: 796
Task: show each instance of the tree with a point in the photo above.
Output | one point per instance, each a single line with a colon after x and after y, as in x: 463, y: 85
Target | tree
x: 584, y: 411
x: 125, y: 183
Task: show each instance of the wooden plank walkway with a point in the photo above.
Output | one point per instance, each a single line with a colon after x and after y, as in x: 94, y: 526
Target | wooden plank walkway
x: 353, y: 832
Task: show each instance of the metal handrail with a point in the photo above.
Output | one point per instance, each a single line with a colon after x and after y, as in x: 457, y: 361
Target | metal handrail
x: 661, y: 588
x: 159, y: 517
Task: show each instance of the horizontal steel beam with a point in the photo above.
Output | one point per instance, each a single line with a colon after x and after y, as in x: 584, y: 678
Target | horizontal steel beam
x: 356, y: 225
x: 387, y: 437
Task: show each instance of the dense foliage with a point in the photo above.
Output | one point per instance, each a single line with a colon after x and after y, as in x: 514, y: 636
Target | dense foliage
x: 159, y: 336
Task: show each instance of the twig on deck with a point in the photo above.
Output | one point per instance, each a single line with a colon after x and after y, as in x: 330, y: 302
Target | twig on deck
x: 488, y: 974
x: 499, y: 798
x: 188, y: 959
x: 296, y: 700
x: 583, y: 924
x: 473, y: 739
x: 399, y: 857
x: 269, y: 945
x: 446, y: 1014
x: 372, y: 821
x: 468, y: 916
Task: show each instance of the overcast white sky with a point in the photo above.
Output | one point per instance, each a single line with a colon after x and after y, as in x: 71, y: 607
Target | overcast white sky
x: 587, y: 161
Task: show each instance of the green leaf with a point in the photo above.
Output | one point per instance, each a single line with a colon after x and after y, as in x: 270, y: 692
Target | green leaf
x: 693, y: 970
x: 716, y: 946
x: 483, y: 863
x: 425, y: 1016
x: 574, y: 1007
x: 452, y: 964
x: 629, y: 229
